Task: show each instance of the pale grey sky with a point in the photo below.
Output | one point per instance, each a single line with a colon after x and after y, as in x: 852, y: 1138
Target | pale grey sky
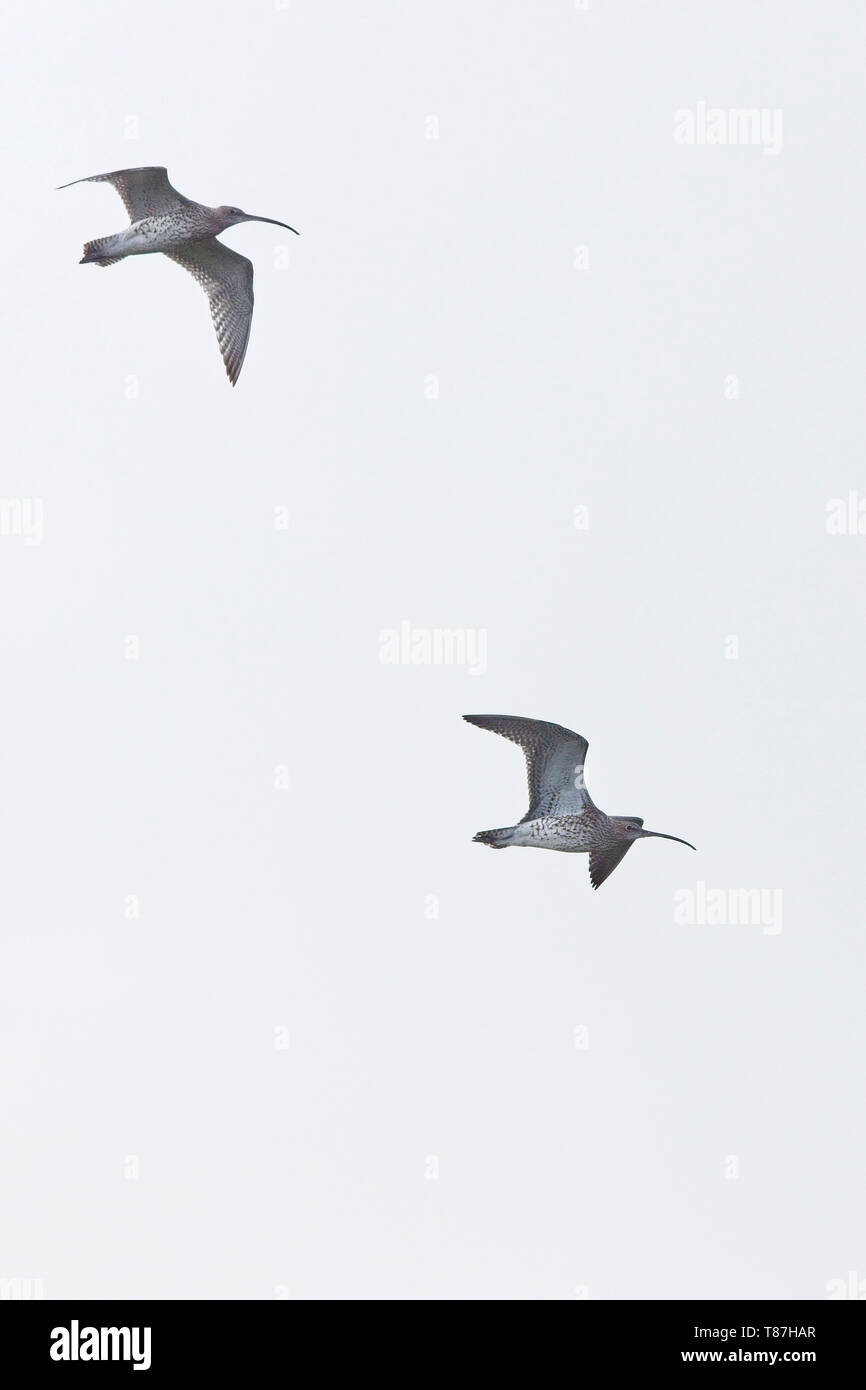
x: 538, y: 372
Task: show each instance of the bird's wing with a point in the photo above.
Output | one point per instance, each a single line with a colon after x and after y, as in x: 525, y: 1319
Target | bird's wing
x: 555, y: 760
x: 602, y: 862
x: 145, y: 192
x: 227, y: 280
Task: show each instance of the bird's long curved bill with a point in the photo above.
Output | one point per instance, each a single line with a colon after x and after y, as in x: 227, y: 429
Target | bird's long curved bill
x: 657, y: 835
x: 274, y: 223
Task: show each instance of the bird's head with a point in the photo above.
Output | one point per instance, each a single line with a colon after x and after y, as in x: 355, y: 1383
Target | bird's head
x: 631, y: 828
x: 229, y: 217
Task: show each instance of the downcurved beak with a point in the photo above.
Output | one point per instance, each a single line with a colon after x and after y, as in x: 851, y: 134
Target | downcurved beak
x: 248, y: 217
x: 657, y: 835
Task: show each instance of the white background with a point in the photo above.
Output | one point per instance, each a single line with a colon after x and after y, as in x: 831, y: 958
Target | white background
x: 147, y: 1045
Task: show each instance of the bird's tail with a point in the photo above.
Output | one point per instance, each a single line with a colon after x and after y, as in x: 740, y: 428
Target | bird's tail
x: 99, y: 252
x: 496, y: 839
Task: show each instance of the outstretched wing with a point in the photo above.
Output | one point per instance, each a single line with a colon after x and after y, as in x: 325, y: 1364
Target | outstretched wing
x: 555, y: 759
x: 145, y: 192
x: 227, y: 280
x: 602, y: 862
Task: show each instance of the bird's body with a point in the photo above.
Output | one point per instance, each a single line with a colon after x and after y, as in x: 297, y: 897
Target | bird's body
x: 163, y: 220
x: 562, y: 815
x: 571, y: 834
x: 164, y: 232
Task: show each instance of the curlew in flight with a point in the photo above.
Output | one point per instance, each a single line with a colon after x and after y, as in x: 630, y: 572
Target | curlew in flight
x: 161, y: 219
x: 561, y: 812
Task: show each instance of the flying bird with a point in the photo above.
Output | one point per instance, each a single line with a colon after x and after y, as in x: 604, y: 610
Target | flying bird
x: 161, y: 219
x: 562, y: 814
